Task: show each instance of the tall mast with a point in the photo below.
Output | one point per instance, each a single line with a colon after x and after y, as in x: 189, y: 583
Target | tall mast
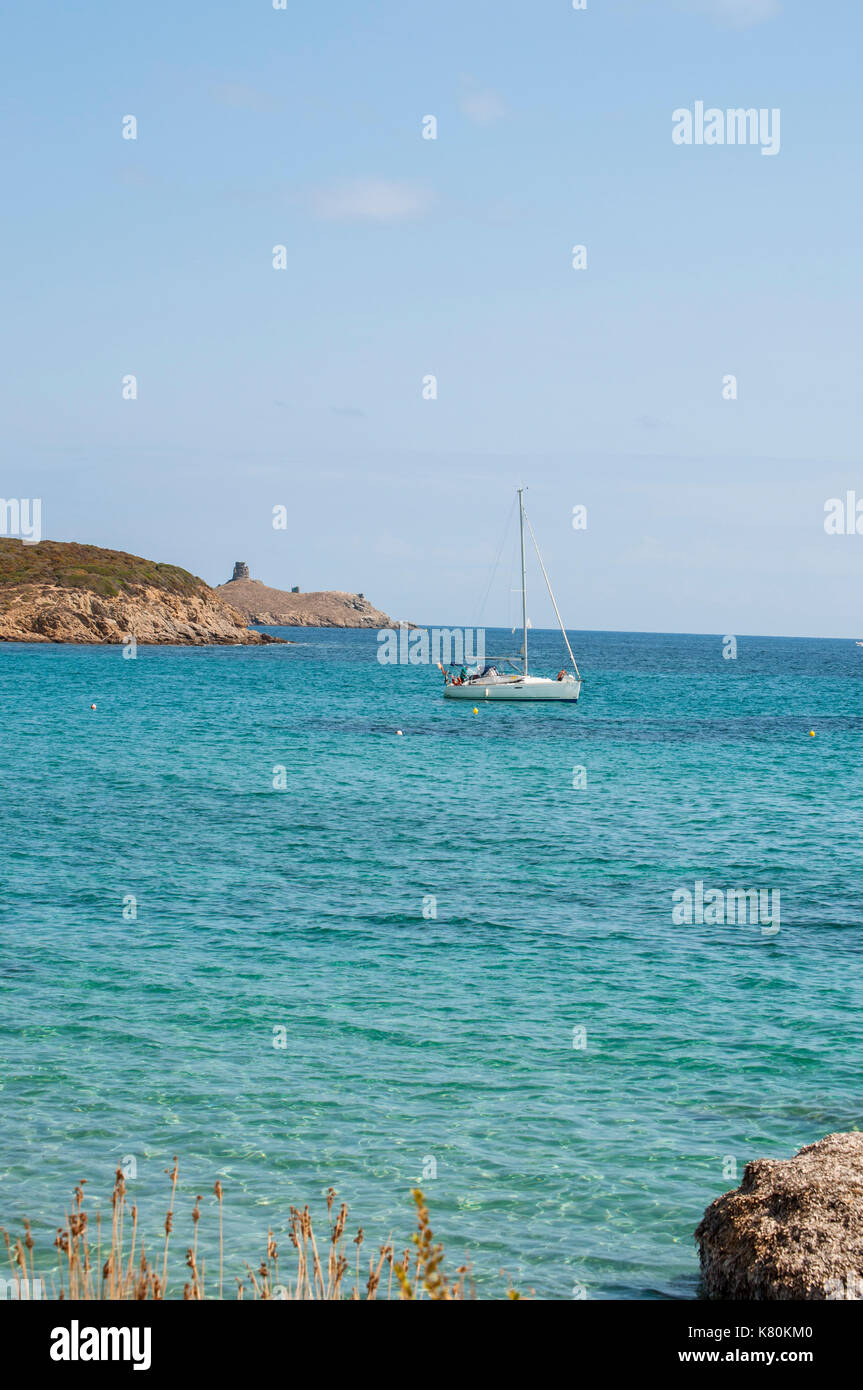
x: 523, y: 580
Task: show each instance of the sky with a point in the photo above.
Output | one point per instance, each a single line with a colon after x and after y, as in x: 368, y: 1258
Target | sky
x: 407, y: 258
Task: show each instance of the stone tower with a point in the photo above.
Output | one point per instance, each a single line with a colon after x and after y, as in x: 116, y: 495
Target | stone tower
x: 241, y: 571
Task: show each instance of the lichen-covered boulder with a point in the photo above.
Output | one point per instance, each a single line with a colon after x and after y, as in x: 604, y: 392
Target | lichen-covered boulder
x: 793, y: 1229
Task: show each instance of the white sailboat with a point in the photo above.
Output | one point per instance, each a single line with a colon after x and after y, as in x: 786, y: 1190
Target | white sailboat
x: 491, y: 683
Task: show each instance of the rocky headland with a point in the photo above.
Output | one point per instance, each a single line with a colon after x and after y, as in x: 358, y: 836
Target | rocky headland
x: 58, y: 591
x: 290, y: 608
x: 793, y: 1229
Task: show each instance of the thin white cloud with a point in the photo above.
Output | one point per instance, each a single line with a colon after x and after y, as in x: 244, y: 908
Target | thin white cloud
x: 482, y: 107
x: 241, y: 97
x: 735, y: 14
x: 370, y: 200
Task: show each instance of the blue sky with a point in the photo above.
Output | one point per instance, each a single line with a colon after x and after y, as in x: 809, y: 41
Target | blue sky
x: 406, y: 257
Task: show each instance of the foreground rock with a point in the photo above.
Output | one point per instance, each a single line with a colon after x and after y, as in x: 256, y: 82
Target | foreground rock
x: 64, y: 592
x: 280, y: 608
x: 793, y: 1229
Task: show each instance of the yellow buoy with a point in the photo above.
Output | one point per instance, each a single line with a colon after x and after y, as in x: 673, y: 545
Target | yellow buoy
x: 475, y: 710
x: 811, y: 733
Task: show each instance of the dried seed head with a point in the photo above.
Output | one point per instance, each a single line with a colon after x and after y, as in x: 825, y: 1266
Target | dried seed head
x: 340, y: 1223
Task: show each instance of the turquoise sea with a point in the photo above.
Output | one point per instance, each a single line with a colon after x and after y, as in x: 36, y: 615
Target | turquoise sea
x: 444, y: 1045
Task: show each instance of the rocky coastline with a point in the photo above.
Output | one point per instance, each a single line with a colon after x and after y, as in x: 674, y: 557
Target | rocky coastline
x: 58, y: 591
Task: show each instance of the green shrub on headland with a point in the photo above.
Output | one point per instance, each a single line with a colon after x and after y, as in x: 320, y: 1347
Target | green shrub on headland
x: 73, y: 566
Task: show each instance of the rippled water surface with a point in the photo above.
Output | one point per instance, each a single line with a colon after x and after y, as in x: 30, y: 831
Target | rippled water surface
x: 412, y: 1042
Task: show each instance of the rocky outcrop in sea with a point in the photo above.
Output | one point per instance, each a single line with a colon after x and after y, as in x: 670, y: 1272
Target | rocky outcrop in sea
x: 793, y: 1229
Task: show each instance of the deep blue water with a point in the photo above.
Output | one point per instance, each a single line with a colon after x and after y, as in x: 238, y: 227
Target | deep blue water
x: 412, y: 1038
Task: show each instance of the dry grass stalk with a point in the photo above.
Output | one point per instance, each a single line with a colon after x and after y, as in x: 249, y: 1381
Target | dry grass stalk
x: 417, y: 1274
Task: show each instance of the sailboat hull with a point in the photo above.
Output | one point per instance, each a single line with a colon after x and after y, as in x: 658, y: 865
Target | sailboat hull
x: 535, y: 688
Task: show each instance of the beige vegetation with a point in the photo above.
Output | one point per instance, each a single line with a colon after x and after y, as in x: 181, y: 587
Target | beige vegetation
x: 113, y: 1264
x: 792, y: 1230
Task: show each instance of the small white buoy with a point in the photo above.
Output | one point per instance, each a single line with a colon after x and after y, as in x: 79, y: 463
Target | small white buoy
x: 92, y: 706
x: 399, y: 732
